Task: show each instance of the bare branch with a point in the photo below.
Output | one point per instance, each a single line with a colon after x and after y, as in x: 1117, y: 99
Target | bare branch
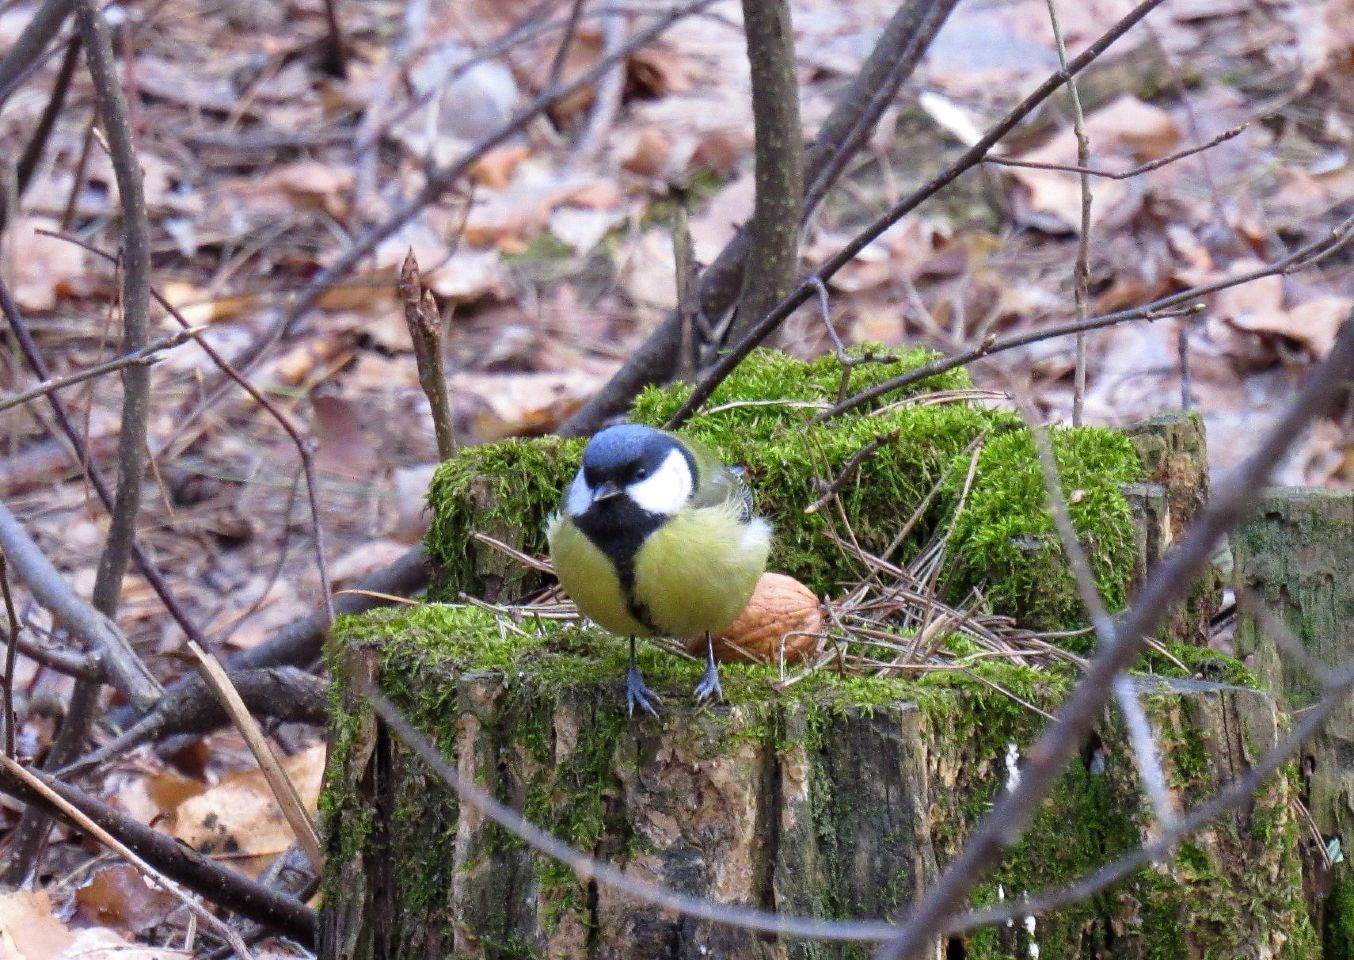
x: 144, y: 356
x: 11, y: 657
x: 102, y: 638
x: 1122, y: 174
x: 135, y: 305
x: 773, y: 252
x: 1172, y: 578
x: 38, y: 33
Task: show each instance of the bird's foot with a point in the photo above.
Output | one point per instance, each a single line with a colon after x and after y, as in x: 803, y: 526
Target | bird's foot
x: 709, y: 688
x: 639, y: 695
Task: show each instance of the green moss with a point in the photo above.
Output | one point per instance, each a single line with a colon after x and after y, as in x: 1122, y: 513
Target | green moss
x: 1005, y: 542
x: 1338, y: 935
x: 760, y: 418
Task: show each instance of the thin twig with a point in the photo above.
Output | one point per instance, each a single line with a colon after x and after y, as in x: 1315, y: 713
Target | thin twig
x: 1121, y: 174
x: 1081, y: 272
x: 124, y: 669
x: 304, y: 447
x: 1140, y: 738
x: 135, y: 262
x: 1173, y: 577
x: 145, y: 355
x: 11, y: 658
x: 1184, y: 303
x: 971, y: 157
x: 849, y: 469
x: 566, y: 41
x: 37, y: 143
x: 425, y: 332
x: 606, y: 99
x: 284, y: 791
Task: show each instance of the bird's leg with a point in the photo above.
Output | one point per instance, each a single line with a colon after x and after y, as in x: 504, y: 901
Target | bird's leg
x: 709, y: 687
x: 636, y: 693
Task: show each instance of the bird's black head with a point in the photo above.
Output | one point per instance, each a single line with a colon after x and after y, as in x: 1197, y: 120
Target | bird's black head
x: 630, y: 462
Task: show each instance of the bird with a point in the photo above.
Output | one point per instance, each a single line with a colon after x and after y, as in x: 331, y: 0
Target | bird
x: 656, y: 537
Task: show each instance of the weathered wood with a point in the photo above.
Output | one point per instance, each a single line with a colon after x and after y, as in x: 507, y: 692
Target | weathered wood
x: 802, y: 804
x: 1174, y: 452
x: 1294, y: 581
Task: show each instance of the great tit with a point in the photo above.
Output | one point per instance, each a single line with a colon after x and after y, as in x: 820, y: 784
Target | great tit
x: 656, y: 537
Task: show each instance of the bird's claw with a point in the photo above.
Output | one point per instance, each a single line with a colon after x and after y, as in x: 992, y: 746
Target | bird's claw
x: 639, y: 695
x: 709, y: 688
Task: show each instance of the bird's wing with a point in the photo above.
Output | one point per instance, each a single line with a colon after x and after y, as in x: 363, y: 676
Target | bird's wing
x: 718, y: 484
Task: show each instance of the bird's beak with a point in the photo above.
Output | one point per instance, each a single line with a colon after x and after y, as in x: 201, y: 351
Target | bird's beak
x: 606, y: 491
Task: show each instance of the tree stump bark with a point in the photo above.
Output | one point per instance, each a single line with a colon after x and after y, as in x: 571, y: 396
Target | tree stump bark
x: 1294, y: 574
x: 844, y: 800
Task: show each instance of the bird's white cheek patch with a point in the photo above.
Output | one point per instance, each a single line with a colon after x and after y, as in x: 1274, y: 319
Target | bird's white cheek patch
x: 580, y: 497
x: 667, y: 490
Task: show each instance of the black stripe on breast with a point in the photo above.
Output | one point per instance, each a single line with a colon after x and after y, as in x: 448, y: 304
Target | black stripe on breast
x: 618, y: 527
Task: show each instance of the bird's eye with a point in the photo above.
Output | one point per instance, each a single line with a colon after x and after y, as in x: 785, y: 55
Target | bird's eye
x: 641, y: 473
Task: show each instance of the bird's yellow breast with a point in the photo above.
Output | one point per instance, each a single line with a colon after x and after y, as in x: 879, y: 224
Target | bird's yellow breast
x: 694, y: 573
x: 697, y: 571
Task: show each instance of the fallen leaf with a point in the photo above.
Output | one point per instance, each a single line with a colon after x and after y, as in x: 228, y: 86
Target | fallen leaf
x: 240, y: 816
x: 518, y: 404
x: 583, y: 229
x: 495, y: 169
x: 28, y: 928
x: 951, y: 117
x: 1316, y: 322
x: 120, y: 896
x: 42, y: 269
x: 197, y: 307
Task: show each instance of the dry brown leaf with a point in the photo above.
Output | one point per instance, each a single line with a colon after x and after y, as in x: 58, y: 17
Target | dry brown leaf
x: 494, y: 170
x: 120, y: 896
x: 198, y: 307
x: 42, y: 269
x: 343, y: 448
x: 516, y: 404
x: 28, y: 928
x: 1315, y: 323
x: 644, y: 151
x: 241, y: 817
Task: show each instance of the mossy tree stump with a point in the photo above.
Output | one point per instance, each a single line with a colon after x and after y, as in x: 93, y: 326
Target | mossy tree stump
x: 837, y: 797
x: 832, y: 797
x: 1294, y: 571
